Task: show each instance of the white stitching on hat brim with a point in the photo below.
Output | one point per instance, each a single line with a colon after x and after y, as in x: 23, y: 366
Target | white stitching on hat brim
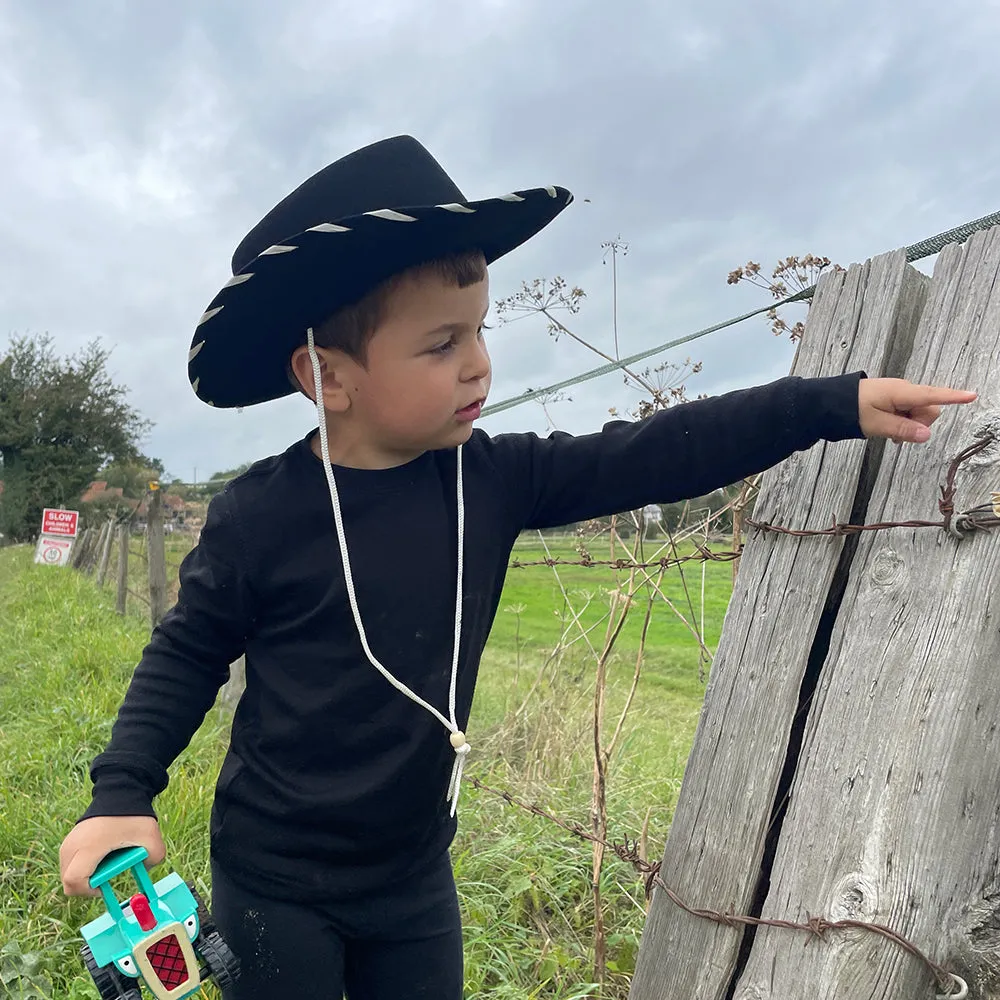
x: 206, y: 316
x: 391, y: 215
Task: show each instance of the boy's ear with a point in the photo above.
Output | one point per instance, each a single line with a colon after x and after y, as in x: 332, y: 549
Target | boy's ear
x: 335, y: 395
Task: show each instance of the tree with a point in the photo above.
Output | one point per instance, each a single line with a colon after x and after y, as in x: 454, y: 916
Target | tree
x: 61, y: 420
x: 133, y: 476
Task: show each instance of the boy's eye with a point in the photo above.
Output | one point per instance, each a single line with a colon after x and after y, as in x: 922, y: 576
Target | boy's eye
x: 448, y: 345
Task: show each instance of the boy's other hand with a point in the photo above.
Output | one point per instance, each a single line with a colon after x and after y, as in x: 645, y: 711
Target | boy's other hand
x: 91, y: 839
x: 897, y: 409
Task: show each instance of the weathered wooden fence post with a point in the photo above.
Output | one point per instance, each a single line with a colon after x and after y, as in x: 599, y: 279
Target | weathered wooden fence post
x: 864, y: 319
x: 847, y: 763
x: 96, y: 548
x: 156, y: 554
x: 124, y: 534
x: 233, y: 689
x: 102, y: 568
x: 81, y: 549
x: 74, y: 557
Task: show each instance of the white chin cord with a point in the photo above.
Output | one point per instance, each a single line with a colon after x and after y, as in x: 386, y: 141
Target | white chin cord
x: 458, y: 741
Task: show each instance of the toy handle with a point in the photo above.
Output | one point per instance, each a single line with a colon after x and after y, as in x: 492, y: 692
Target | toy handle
x: 116, y: 862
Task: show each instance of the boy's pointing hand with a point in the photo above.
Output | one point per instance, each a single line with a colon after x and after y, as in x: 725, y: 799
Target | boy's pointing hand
x: 897, y: 409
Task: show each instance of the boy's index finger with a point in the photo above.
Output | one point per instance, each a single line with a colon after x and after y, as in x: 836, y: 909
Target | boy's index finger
x: 937, y: 395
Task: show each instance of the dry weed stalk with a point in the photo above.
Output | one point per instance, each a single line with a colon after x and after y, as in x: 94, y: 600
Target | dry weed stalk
x: 661, y: 386
x: 793, y: 274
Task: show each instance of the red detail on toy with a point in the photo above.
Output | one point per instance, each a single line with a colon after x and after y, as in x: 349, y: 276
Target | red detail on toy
x: 167, y: 961
x: 140, y: 907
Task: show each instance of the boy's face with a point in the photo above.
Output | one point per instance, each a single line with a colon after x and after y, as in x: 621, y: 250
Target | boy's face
x: 427, y: 373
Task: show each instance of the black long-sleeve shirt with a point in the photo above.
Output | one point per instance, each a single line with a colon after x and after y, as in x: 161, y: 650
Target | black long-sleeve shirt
x: 334, y: 781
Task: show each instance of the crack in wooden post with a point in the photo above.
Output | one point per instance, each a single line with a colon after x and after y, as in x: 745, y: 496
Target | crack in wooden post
x: 731, y: 807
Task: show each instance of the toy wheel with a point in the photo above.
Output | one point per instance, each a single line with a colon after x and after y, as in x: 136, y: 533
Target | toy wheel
x: 110, y: 983
x: 206, y: 923
x: 222, y: 963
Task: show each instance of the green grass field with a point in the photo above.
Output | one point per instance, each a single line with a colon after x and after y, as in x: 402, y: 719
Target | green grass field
x: 65, y: 660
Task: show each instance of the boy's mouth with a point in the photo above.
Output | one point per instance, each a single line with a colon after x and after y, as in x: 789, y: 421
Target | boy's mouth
x: 470, y: 412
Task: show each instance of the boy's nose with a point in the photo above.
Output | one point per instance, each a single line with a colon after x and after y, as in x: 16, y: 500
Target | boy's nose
x: 478, y: 364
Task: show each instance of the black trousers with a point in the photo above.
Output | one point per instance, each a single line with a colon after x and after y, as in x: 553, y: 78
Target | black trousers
x: 401, y: 944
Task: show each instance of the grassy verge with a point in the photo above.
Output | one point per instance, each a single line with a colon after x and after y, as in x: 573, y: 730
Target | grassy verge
x: 65, y: 660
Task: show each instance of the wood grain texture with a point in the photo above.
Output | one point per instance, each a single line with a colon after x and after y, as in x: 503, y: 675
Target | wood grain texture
x: 102, y: 568
x: 896, y: 801
x: 862, y: 319
x: 122, y: 589
x: 232, y: 690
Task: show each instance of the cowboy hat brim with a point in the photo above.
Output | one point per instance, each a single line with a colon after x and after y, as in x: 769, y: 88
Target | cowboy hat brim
x: 244, y: 340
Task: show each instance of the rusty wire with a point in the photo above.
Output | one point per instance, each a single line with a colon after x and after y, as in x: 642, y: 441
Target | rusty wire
x: 702, y: 554
x: 983, y: 517
x: 817, y: 927
x: 138, y: 596
x: 980, y: 518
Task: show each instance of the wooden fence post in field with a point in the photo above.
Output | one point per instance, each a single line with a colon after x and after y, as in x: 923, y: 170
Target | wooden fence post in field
x: 102, y: 568
x: 74, y: 558
x: 96, y: 548
x: 157, y: 557
x: 82, y: 551
x: 96, y: 537
x: 233, y: 689
x: 88, y: 541
x: 124, y: 534
x: 93, y: 544
x: 847, y: 761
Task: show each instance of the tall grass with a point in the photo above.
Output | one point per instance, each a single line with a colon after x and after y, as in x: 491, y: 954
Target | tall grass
x: 525, y: 885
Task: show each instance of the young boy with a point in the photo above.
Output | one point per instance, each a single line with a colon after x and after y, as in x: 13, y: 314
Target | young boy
x: 360, y: 570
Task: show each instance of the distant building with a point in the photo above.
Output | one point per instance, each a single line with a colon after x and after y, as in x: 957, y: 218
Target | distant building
x: 175, y: 509
x: 98, y: 490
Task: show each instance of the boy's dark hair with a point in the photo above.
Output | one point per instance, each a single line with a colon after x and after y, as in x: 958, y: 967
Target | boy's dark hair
x: 350, y: 329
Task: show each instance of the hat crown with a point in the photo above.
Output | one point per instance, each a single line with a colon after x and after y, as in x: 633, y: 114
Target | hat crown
x: 391, y: 173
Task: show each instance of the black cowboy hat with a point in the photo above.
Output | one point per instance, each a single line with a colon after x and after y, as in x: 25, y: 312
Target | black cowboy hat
x: 357, y: 222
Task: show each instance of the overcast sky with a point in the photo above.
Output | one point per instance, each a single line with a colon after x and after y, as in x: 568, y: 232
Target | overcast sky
x: 141, y: 141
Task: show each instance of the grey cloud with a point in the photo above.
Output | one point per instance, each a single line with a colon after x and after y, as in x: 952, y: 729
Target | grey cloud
x: 144, y: 140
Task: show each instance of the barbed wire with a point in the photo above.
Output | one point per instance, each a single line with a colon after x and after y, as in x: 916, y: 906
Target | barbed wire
x: 628, y: 851
x: 983, y: 517
x: 702, y: 554
x: 980, y: 518
x: 138, y: 596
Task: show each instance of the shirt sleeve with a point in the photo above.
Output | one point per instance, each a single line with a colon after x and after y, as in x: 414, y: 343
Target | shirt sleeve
x: 181, y: 670
x: 681, y: 452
